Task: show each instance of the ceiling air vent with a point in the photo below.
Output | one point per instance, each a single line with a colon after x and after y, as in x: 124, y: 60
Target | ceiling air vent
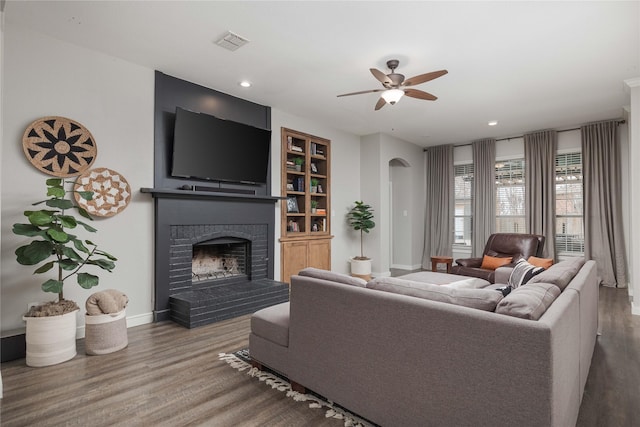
x: 232, y: 41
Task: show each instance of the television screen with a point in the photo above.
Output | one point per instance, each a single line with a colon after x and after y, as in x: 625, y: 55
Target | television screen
x: 209, y: 148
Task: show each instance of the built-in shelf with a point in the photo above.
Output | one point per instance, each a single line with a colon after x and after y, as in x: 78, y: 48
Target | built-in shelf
x: 194, y: 194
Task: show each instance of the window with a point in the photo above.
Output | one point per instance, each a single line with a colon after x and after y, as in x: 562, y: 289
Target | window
x: 463, y: 187
x: 510, y: 196
x: 569, y: 208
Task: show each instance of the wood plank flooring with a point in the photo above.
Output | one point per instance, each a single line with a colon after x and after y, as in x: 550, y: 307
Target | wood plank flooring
x: 171, y: 376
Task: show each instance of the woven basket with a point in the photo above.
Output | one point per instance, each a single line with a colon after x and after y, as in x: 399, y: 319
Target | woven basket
x: 105, y: 333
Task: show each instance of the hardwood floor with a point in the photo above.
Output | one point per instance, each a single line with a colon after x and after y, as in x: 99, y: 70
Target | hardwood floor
x: 171, y: 376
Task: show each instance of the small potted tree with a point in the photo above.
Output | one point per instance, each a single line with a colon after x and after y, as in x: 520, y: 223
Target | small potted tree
x: 298, y: 162
x: 51, y: 327
x: 314, y: 185
x: 361, y: 219
x: 314, y: 206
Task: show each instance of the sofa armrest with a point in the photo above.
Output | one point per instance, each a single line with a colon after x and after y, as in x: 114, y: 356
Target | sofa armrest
x: 470, y: 262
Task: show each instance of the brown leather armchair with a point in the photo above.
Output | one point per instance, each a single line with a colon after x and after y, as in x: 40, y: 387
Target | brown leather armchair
x: 501, y: 245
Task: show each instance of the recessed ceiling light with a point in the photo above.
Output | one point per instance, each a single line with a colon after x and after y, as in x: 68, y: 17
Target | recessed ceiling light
x: 493, y: 123
x: 245, y: 83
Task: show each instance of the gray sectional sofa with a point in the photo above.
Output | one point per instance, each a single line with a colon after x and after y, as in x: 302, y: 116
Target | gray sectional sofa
x: 401, y: 360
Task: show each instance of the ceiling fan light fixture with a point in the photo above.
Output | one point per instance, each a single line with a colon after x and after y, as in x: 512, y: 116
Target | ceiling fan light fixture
x: 392, y: 95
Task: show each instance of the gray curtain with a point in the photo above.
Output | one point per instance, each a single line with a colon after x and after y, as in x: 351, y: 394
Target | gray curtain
x: 438, y: 238
x: 540, y: 187
x: 483, y: 204
x: 604, y: 241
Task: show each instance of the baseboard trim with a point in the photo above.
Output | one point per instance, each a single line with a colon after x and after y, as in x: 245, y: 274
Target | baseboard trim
x: 381, y: 274
x: 635, y: 308
x: 407, y: 267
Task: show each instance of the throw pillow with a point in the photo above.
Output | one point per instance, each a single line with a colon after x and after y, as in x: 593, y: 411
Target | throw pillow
x: 529, y: 302
x: 491, y: 262
x: 540, y: 262
x: 317, y: 273
x: 522, y: 273
x: 480, y: 299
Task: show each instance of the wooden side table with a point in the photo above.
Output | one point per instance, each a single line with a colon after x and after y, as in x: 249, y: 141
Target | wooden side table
x: 435, y: 260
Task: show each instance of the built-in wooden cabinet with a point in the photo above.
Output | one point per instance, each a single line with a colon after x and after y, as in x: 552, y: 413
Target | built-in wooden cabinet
x: 306, y: 211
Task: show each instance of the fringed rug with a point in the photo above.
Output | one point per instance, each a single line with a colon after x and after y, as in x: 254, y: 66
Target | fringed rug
x: 241, y: 361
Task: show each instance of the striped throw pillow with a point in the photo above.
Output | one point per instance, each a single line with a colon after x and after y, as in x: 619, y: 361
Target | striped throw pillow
x: 522, y: 273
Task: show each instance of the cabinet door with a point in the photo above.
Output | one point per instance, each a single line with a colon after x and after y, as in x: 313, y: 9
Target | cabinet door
x: 294, y: 259
x: 319, y: 254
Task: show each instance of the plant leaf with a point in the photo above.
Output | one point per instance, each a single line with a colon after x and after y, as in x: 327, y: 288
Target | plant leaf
x: 51, y: 285
x: 26, y: 230
x: 68, y: 264
x: 58, y: 235
x: 60, y: 203
x: 79, y: 245
x: 87, y: 227
x: 103, y: 264
x: 83, y: 213
x: 70, y: 253
x: 40, y: 217
x: 108, y: 255
x: 87, y: 195
x: 54, y: 182
x: 44, y: 268
x: 67, y: 221
x: 34, y: 252
x: 56, y: 192
x: 87, y: 280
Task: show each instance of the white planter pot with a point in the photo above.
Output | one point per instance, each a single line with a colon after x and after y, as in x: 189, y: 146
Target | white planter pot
x: 50, y: 340
x: 360, y: 267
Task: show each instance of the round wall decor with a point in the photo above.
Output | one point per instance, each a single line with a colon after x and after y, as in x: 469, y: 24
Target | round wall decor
x: 111, y: 192
x: 59, y: 146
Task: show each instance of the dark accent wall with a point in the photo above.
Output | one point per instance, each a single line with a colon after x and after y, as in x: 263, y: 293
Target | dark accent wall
x: 190, y: 208
x: 171, y: 92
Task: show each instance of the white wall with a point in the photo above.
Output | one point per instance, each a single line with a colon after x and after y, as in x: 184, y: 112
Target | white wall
x: 376, y: 153
x: 634, y: 193
x: 114, y: 100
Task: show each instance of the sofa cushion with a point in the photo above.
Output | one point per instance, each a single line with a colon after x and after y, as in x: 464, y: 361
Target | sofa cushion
x: 529, y: 301
x: 560, y: 274
x: 523, y: 272
x: 437, y: 278
x: 491, y: 263
x: 481, y: 299
x: 272, y: 323
x: 317, y: 273
x: 540, y: 262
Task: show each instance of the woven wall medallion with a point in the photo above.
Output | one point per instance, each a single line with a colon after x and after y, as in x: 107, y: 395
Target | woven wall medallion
x: 111, y: 192
x: 59, y: 146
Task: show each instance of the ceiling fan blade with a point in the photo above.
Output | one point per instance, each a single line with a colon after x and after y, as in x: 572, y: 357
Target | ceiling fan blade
x: 382, y: 77
x: 415, y: 93
x: 362, y: 91
x: 416, y: 80
x: 380, y: 103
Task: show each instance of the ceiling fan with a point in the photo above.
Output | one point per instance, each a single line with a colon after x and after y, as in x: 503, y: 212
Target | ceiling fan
x: 394, y: 84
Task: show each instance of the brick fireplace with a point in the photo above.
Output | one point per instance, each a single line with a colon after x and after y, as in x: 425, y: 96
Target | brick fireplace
x: 214, y: 256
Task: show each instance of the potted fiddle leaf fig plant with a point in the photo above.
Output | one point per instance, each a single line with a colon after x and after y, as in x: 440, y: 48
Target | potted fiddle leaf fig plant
x: 360, y: 218
x: 51, y: 327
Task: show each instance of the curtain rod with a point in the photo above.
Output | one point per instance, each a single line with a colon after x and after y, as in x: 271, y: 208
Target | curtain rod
x: 621, y: 121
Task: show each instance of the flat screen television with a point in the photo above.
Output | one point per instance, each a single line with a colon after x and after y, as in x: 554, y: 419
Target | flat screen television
x: 208, y: 148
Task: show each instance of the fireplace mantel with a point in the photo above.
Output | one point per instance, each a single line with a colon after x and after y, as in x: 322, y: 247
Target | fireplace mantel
x: 194, y: 194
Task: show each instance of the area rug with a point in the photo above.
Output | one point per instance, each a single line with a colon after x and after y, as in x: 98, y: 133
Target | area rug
x: 241, y: 361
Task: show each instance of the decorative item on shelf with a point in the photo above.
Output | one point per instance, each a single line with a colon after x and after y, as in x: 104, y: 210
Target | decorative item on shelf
x: 315, y: 227
x: 289, y: 143
x: 296, y: 148
x: 314, y: 168
x: 51, y: 327
x: 299, y: 183
x: 314, y: 185
x: 360, y: 218
x: 298, y: 161
x: 59, y: 146
x: 320, y: 189
x: 314, y: 206
x: 290, y: 186
x: 292, y: 205
x: 321, y: 211
x: 111, y: 192
x: 292, y: 226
